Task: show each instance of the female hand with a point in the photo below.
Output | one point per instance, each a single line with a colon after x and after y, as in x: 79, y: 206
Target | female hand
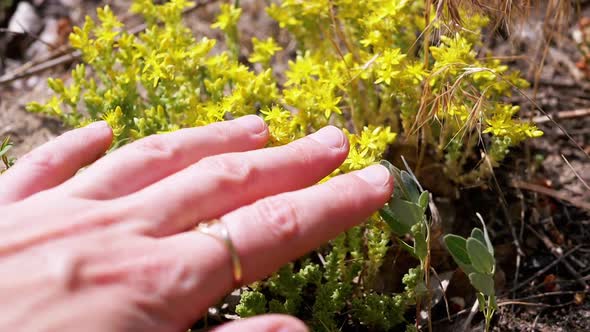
x: 113, y: 247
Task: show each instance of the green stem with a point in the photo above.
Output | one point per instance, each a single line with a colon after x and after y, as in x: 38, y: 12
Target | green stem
x: 489, y: 313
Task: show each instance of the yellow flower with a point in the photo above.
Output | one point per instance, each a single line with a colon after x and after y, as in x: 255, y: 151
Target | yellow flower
x: 263, y: 50
x: 114, y: 119
x: 301, y: 70
x: 388, y: 66
x: 228, y: 18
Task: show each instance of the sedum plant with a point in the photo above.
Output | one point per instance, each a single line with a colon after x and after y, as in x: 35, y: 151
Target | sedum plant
x: 364, y: 66
x: 358, y: 65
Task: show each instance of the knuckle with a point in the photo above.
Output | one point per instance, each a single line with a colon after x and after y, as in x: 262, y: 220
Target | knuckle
x: 172, y: 275
x: 279, y: 215
x: 220, y: 130
x: 41, y: 160
x: 157, y: 147
x: 62, y: 267
x: 230, y: 171
x: 181, y: 276
x: 344, y: 191
x: 302, y: 149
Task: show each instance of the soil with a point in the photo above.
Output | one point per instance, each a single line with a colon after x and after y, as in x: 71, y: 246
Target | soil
x: 26, y: 130
x: 539, y: 217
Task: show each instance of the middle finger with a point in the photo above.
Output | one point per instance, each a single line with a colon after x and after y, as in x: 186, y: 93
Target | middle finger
x: 219, y: 184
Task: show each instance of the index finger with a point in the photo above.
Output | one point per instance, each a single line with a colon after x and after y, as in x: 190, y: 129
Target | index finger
x: 278, y: 229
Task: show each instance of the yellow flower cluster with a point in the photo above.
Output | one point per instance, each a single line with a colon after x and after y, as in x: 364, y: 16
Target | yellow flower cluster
x: 357, y: 67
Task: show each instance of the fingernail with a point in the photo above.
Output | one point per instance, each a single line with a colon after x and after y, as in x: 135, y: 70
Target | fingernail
x: 376, y: 175
x: 253, y: 123
x: 98, y: 124
x: 331, y: 137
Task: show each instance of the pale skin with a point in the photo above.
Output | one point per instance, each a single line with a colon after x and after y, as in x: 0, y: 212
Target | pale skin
x: 113, y: 247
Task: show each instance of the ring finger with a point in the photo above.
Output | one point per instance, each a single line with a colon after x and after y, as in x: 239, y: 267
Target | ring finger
x: 278, y: 229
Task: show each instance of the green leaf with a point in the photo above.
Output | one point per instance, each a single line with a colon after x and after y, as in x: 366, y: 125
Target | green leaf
x: 392, y: 169
x: 412, y: 193
x: 56, y: 85
x: 420, y: 245
x: 4, y: 149
x: 486, y: 236
x: 35, y: 107
x: 480, y: 235
x: 457, y: 246
x: 396, y: 226
x: 407, y: 247
x: 409, y: 170
x: 424, y: 199
x: 476, y: 233
x: 480, y: 257
x: 405, y: 186
x: 481, y: 301
x: 493, y: 302
x: 401, y: 215
x: 399, y: 191
x: 407, y: 213
x: 482, y: 282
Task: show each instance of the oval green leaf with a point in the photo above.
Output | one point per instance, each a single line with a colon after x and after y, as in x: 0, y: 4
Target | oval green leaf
x: 481, y: 259
x: 424, y: 199
x: 398, y: 189
x: 483, y: 283
x: 407, y: 213
x: 390, y: 218
x: 485, y: 234
x: 478, y: 234
x: 420, y: 246
x: 411, y: 189
x: 457, y: 246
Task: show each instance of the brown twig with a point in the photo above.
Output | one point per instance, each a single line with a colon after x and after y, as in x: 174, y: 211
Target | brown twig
x: 556, y: 251
x: 62, y: 60
x: 545, y: 269
x: 535, y: 304
x: 61, y: 50
x: 26, y: 33
x: 571, y: 114
x: 73, y: 55
x: 552, y: 193
x: 542, y: 295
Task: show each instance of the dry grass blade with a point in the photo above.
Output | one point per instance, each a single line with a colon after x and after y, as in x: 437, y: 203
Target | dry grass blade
x: 575, y: 173
x: 500, y: 10
x: 552, y: 193
x: 503, y: 12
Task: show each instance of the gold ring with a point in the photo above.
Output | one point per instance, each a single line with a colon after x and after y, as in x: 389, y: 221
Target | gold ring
x: 209, y: 228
